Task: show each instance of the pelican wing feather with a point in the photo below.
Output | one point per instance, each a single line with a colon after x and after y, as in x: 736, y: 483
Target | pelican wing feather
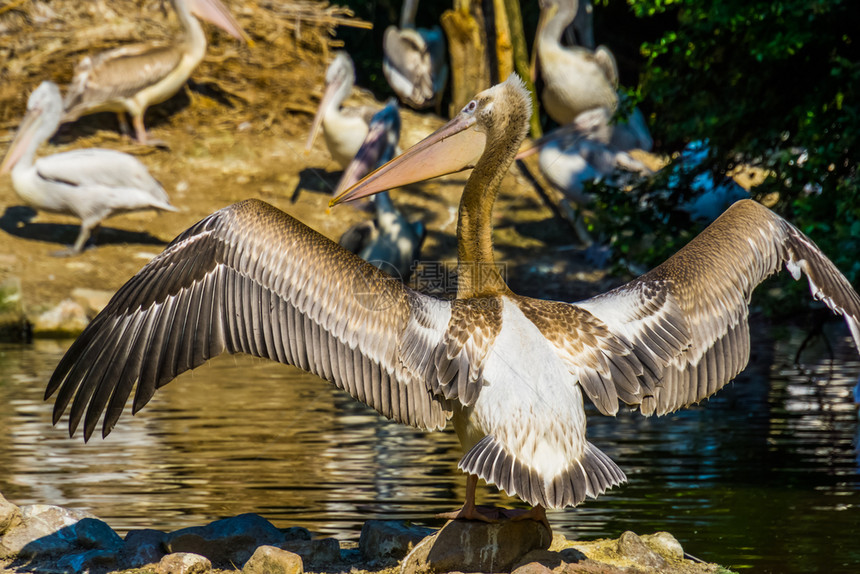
x: 102, y: 167
x: 687, y: 318
x: 414, y: 67
x: 118, y: 74
x: 604, y: 363
x: 250, y: 278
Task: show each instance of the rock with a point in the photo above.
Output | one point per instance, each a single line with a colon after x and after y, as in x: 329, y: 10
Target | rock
x: 67, y: 318
x: 532, y: 568
x: 665, y: 544
x: 184, y: 563
x: 382, y: 539
x: 50, y: 530
x: 142, y: 548
x: 10, y: 515
x: 86, y: 561
x: 469, y: 546
x: 296, y: 533
x: 91, y: 300
x: 634, y: 549
x: 228, y: 541
x: 271, y: 560
x: 14, y: 326
x: 314, y: 552
x: 552, y: 559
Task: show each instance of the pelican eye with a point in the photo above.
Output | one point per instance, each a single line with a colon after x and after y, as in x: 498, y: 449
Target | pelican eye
x: 471, y: 106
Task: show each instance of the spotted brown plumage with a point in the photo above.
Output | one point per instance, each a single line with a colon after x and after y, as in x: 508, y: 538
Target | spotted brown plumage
x: 509, y: 371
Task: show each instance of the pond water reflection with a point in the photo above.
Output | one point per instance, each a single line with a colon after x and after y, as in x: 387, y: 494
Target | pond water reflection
x: 762, y: 477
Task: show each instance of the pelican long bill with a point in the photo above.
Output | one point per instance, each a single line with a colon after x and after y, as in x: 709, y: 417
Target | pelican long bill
x: 454, y: 147
x: 21, y: 141
x: 217, y: 14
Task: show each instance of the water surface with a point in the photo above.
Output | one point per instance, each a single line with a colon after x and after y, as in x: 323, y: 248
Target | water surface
x: 762, y: 478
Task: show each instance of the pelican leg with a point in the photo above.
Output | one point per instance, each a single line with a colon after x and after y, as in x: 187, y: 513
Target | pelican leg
x: 469, y: 511
x: 80, y: 242
x: 124, y: 128
x: 140, y: 133
x: 139, y: 129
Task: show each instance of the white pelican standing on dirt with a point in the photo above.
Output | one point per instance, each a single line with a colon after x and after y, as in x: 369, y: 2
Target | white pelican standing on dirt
x: 414, y: 60
x: 575, y: 79
x: 510, y: 370
x: 92, y: 184
x: 344, y: 128
x: 132, y: 78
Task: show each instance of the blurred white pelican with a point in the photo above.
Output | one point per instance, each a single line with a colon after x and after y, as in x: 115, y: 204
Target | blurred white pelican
x: 576, y: 79
x: 414, y: 61
x: 91, y: 184
x: 590, y: 148
x: 344, y: 128
x: 132, y: 78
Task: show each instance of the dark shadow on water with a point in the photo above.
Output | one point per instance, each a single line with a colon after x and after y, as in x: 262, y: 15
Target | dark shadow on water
x: 16, y: 220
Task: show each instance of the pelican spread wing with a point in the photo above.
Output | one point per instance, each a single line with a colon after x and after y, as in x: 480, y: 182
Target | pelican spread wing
x: 252, y: 279
x: 687, y: 319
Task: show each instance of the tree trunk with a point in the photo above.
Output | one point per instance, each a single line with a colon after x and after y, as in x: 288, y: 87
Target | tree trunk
x: 467, y: 47
x: 521, y: 59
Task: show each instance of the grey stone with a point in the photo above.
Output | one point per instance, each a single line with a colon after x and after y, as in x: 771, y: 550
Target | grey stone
x: 634, y: 549
x: 67, y: 318
x: 14, y: 326
x: 296, y: 533
x: 314, y: 552
x: 184, y: 563
x: 665, y: 544
x: 469, y: 546
x: 10, y: 515
x: 91, y: 300
x: 551, y: 559
x: 271, y: 560
x: 50, y: 530
x: 532, y: 568
x: 86, y: 561
x: 142, y: 548
x: 230, y: 541
x: 382, y: 539
x: 95, y: 533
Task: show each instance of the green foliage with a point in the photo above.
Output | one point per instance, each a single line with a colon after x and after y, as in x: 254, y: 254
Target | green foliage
x: 768, y: 84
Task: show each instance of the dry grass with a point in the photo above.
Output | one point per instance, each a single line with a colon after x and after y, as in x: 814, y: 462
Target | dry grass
x: 44, y: 39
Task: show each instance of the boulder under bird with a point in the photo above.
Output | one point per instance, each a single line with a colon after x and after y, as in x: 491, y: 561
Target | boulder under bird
x: 510, y: 371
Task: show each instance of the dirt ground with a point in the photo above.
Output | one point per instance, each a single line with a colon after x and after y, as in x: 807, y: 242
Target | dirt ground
x: 237, y: 131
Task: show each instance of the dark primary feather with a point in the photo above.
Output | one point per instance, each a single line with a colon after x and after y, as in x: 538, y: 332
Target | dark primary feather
x: 251, y: 279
